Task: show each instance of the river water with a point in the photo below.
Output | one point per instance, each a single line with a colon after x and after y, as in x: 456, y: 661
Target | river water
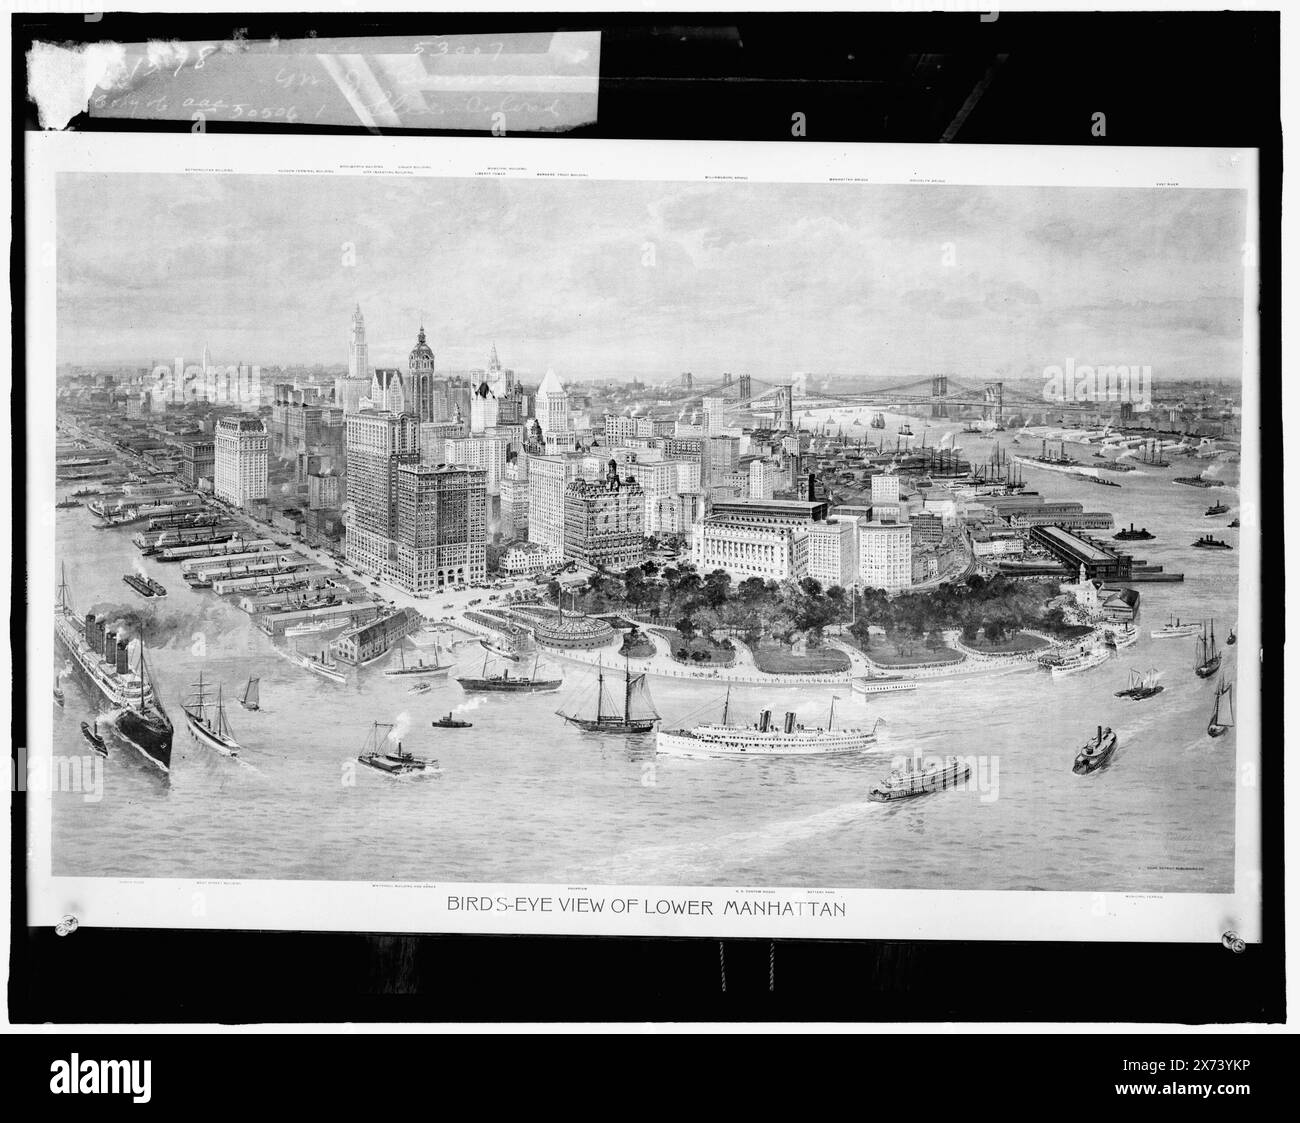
x: 523, y: 797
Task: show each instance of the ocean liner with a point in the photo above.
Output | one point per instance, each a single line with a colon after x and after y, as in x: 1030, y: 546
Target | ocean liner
x: 103, y: 662
x: 764, y: 738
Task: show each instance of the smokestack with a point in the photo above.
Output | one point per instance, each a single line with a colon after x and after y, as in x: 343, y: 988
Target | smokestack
x: 123, y: 660
x: 765, y: 721
x: 789, y: 722
x: 110, y: 647
x: 92, y: 636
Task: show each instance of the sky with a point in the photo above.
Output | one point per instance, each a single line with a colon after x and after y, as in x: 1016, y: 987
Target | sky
x: 648, y: 279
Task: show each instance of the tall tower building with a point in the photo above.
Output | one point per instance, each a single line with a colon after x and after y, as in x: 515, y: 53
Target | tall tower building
x: 241, y: 446
x: 441, y: 527
x: 553, y: 414
x: 358, y: 353
x: 419, y: 382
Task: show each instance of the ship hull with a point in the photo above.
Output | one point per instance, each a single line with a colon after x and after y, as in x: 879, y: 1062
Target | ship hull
x: 509, y: 686
x: 427, y: 672
x: 611, y: 725
x: 205, y: 736
x: 686, y: 744
x: 911, y: 785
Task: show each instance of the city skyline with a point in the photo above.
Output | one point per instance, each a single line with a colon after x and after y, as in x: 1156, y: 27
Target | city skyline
x: 605, y: 279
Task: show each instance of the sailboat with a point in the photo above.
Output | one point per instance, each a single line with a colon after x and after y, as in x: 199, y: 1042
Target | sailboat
x: 1208, y: 656
x: 399, y: 763
x: 609, y: 720
x: 420, y: 668
x: 250, y: 699
x: 1141, y: 686
x: 207, y: 720
x: 1218, y: 727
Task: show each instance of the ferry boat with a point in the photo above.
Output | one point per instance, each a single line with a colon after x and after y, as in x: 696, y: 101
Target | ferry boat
x: 615, y: 719
x: 1216, y: 509
x: 1088, y: 478
x: 1208, y: 656
x: 1121, y: 637
x: 1096, y: 752
x: 91, y: 734
x: 207, y: 719
x: 1141, y: 686
x: 1175, y: 629
x: 399, y: 763
x: 1217, y: 726
x: 906, y: 783
x: 450, y: 722
x: 64, y: 504
x: 425, y: 670
x: 145, y: 586
x: 252, y: 695
x: 1132, y: 535
x: 1083, y: 659
x: 1209, y: 542
x: 1197, y: 481
x: 1058, y: 463
x: 763, y: 739
x: 101, y: 660
x: 881, y: 684
x: 322, y: 665
x: 504, y: 653
x: 503, y: 683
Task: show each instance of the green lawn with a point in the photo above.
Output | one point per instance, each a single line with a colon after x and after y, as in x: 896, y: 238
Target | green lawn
x: 884, y: 652
x: 638, y: 646
x: 713, y: 654
x: 1019, y: 642
x: 776, y: 659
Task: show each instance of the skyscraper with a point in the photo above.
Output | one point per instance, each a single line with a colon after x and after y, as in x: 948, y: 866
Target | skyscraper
x: 441, y: 527
x: 419, y: 381
x: 553, y: 414
x: 377, y: 445
x: 240, y: 460
x: 604, y: 521
x: 358, y: 353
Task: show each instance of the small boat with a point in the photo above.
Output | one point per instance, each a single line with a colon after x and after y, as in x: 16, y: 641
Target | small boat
x: 1216, y: 509
x: 58, y: 694
x: 611, y: 720
x: 1209, y: 542
x: 140, y: 584
x: 63, y: 504
x: 1084, y: 659
x: 399, y: 763
x: 1208, y: 656
x: 450, y: 722
x: 1197, y: 481
x: 1141, y: 686
x: 420, y: 668
x: 421, y: 688
x: 322, y: 665
x: 1096, y: 752
x: 251, y: 698
x: 1121, y: 637
x: 503, y: 683
x: 1217, y: 726
x: 906, y: 783
x: 881, y: 684
x: 91, y: 734
x: 1234, y: 524
x: 1132, y: 535
x: 1232, y: 636
x: 207, y: 720
x: 1175, y: 629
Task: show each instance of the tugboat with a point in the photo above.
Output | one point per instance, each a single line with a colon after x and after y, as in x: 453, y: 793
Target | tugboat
x: 1235, y: 524
x: 1096, y: 752
x: 905, y: 783
x: 421, y: 688
x: 211, y: 729
x: 322, y: 665
x: 1217, y: 726
x: 1209, y: 542
x: 905, y: 429
x: 64, y: 504
x: 1216, y: 509
x: 450, y: 722
x: 1141, y: 686
x: 1232, y: 636
x: 520, y: 684
x: 1208, y: 656
x: 1175, y: 629
x: 250, y: 700
x: 91, y: 734
x: 608, y: 719
x: 1132, y: 535
x: 397, y: 763
x: 428, y: 670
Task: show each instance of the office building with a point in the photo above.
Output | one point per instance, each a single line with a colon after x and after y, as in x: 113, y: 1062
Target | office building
x: 240, y: 460
x: 885, y: 556
x: 604, y: 521
x: 441, y: 532
x: 833, y: 552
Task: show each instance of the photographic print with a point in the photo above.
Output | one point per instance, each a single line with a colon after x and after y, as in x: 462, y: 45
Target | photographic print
x: 576, y: 536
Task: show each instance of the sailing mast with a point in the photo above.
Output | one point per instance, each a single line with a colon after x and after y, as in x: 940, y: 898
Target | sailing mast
x: 600, y: 685
x: 627, y: 692
x: 726, y: 705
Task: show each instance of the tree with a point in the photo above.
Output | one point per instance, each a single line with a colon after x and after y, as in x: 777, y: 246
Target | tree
x: 553, y: 590
x: 811, y: 586
x: 686, y: 626
x: 649, y: 568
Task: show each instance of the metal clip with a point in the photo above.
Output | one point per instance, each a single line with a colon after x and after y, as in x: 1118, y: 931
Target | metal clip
x: 1234, y: 943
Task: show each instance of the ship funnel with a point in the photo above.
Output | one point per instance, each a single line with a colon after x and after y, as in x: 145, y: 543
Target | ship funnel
x: 789, y: 722
x: 765, y: 722
x: 110, y: 647
x: 123, y: 658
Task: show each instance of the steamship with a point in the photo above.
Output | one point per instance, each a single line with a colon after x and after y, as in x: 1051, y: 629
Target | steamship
x: 764, y: 739
x: 103, y: 661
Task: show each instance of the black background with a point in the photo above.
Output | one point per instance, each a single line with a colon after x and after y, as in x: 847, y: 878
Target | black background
x: 1170, y: 79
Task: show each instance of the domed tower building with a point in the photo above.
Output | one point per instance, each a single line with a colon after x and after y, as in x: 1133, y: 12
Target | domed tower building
x: 419, y: 381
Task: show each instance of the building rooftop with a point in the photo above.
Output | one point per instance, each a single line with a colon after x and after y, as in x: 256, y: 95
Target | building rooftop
x: 1074, y: 542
